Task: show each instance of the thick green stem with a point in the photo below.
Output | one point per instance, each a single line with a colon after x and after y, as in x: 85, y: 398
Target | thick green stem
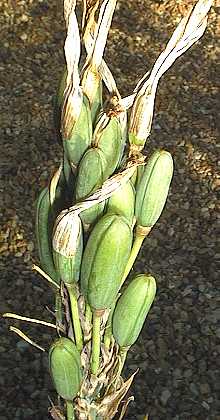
x: 96, y: 341
x: 108, y: 329
x: 75, y: 316
x: 69, y: 410
x: 138, y: 240
x: 88, y: 313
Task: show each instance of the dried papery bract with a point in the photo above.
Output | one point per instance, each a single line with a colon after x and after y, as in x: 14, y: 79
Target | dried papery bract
x: 89, y: 24
x: 109, y: 80
x: 91, y: 76
x: 68, y: 7
x: 189, y: 30
x: 54, y: 183
x: 68, y: 266
x: 72, y: 95
x: 66, y: 233
x: 103, y: 72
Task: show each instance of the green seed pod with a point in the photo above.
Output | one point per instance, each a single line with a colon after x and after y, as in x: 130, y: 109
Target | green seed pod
x: 104, y: 260
x: 43, y: 228
x: 67, y: 248
x: 91, y: 176
x: 152, y: 188
x: 108, y: 138
x: 81, y: 135
x: 122, y: 202
x: 49, y: 203
x: 65, y: 368
x: 132, y: 309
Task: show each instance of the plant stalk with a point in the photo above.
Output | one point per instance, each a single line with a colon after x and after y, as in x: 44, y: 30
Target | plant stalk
x: 95, y: 342
x: 108, y: 337
x: 88, y: 313
x: 70, y: 410
x: 138, y: 240
x: 75, y: 316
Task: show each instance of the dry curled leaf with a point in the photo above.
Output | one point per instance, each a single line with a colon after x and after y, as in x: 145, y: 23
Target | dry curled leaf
x: 189, y: 30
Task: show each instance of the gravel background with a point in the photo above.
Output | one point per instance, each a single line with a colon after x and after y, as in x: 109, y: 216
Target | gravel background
x: 178, y: 352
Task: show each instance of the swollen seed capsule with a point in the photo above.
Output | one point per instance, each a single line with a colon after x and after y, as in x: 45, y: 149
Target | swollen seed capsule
x: 44, y: 227
x: 152, y: 188
x: 80, y: 137
x: 108, y: 138
x: 65, y: 368
x: 132, y: 309
x: 122, y: 202
x: 91, y: 176
x: 104, y: 260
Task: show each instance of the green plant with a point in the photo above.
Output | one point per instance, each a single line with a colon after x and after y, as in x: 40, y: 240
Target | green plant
x: 99, y: 206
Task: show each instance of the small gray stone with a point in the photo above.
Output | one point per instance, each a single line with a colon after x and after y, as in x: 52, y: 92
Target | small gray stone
x: 166, y: 394
x: 177, y: 373
x: 205, y: 389
x: 188, y: 373
x: 214, y: 316
x: 193, y: 388
x: 35, y: 394
x: 20, y: 282
x: 22, y: 345
x: 23, y: 37
x: 205, y: 405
